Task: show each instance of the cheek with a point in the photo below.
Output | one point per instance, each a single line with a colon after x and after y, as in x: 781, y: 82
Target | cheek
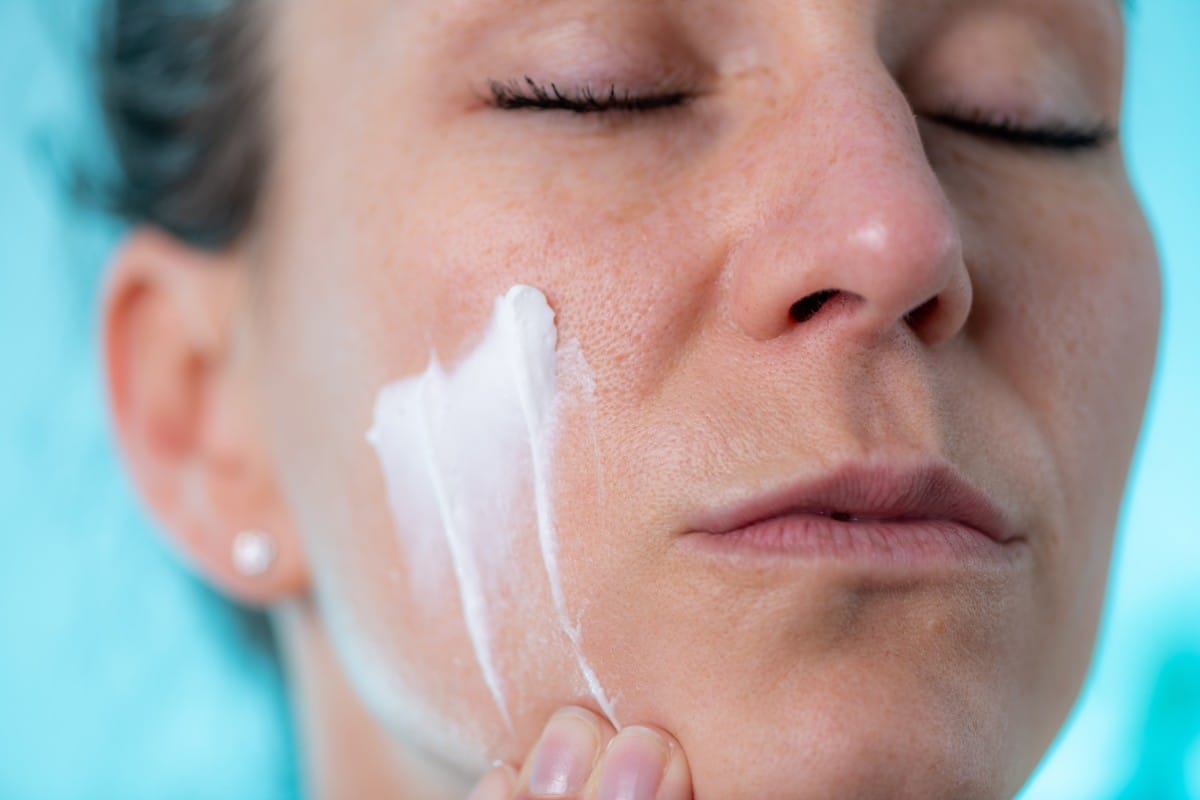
x: 1079, y: 341
x: 465, y: 649
x: 444, y: 572
x: 1071, y: 301
x: 1069, y: 287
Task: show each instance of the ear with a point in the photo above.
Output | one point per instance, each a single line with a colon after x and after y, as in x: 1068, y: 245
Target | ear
x: 183, y: 403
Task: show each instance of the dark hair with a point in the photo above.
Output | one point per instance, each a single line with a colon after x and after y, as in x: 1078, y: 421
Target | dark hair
x: 183, y: 94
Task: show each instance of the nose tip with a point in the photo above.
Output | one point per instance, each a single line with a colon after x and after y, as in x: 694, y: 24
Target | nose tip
x: 866, y: 244
x: 871, y: 250
x: 907, y: 265
x: 895, y: 270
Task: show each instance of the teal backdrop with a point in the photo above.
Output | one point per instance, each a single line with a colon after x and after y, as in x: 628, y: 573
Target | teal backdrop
x: 123, y: 677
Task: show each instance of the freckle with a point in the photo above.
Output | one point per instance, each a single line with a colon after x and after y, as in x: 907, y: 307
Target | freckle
x: 627, y: 212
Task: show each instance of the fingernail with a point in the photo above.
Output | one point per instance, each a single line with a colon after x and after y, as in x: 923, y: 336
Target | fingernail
x: 564, y: 757
x: 633, y: 765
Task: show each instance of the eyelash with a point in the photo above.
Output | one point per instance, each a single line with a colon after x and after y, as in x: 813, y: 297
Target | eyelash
x: 1053, y: 136
x: 528, y: 94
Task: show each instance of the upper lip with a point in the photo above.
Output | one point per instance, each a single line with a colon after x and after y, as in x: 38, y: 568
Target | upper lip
x: 872, y: 491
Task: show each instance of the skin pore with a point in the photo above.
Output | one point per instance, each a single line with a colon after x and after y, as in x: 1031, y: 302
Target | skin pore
x: 934, y: 182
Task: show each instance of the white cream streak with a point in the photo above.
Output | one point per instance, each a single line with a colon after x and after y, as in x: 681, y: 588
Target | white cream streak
x: 539, y: 423
x: 452, y: 447
x: 466, y: 568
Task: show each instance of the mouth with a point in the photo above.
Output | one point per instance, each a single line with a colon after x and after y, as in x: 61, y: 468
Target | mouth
x: 883, y: 514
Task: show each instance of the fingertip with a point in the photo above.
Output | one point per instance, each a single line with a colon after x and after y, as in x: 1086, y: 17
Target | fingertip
x: 498, y: 784
x: 563, y: 758
x: 603, y: 727
x: 677, y: 780
x: 676, y: 783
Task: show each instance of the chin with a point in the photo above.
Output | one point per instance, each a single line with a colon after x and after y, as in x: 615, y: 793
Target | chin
x: 842, y: 749
x: 882, y: 716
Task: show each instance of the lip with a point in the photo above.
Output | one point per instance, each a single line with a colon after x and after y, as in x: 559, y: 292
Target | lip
x: 916, y: 514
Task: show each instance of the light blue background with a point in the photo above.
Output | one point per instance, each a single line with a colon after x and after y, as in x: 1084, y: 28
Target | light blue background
x: 122, y: 677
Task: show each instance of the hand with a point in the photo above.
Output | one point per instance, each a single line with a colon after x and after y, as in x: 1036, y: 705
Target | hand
x: 581, y: 757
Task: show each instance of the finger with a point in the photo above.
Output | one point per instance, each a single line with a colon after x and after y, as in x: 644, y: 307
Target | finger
x: 641, y: 763
x: 564, y: 757
x: 677, y: 782
x: 497, y: 784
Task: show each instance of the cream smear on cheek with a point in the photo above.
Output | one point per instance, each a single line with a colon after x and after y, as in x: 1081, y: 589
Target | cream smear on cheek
x: 460, y: 451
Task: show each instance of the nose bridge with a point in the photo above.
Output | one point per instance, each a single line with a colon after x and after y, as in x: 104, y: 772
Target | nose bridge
x: 854, y: 213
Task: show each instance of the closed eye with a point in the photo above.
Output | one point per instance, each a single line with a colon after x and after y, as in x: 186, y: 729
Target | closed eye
x: 1058, y: 136
x: 531, y: 95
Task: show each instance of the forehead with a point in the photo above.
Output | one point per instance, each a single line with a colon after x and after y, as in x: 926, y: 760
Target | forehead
x: 462, y: 43
x: 1089, y: 32
x: 1089, y: 25
x: 468, y: 11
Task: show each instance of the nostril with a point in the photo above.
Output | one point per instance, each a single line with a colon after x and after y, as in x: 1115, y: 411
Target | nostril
x: 805, y: 309
x: 918, y: 315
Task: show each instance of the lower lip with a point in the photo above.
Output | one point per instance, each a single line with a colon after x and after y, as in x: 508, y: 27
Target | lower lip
x: 899, y: 544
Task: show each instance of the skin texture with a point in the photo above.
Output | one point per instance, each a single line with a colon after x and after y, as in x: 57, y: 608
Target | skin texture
x: 671, y: 245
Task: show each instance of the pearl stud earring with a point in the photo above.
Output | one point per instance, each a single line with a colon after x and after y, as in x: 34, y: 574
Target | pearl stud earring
x: 253, y: 553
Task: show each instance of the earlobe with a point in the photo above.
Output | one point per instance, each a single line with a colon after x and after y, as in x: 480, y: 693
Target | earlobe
x: 180, y: 401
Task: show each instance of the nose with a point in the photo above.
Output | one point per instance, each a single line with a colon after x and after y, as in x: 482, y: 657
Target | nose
x: 853, y: 230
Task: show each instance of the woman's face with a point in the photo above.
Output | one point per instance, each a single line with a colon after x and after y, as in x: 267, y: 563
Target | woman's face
x: 995, y: 315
